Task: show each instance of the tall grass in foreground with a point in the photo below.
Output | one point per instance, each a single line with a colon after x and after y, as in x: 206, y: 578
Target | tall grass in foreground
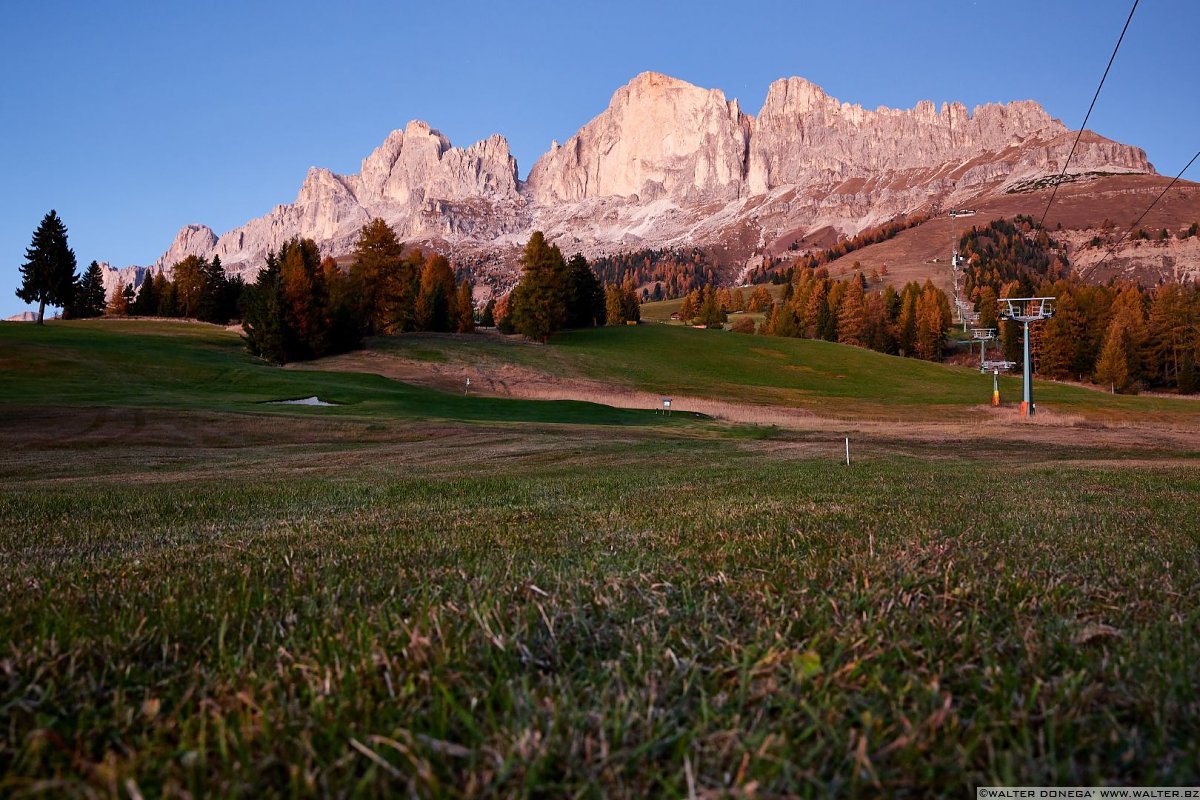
x: 557, y: 614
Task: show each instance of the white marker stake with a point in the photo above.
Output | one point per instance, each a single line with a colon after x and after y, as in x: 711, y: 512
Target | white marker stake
x: 847, y: 451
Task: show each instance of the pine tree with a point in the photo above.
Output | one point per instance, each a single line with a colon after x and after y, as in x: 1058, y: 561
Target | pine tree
x: 48, y: 274
x: 213, y: 302
x: 538, y: 304
x: 488, y: 318
x: 584, y: 296
x: 89, y: 294
x: 146, y: 303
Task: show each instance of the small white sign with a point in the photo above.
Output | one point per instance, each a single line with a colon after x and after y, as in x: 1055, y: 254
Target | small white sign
x: 666, y: 402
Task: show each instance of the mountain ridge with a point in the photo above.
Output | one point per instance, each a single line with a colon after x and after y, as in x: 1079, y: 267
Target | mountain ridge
x: 668, y: 163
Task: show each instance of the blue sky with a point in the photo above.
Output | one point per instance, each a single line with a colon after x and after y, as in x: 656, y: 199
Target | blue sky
x: 133, y: 119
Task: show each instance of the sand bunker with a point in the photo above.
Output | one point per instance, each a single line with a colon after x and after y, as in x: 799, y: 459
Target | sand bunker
x: 306, y: 401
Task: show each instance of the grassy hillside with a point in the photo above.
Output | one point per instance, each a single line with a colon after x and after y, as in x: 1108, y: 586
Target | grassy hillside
x: 830, y: 379
x: 203, y: 367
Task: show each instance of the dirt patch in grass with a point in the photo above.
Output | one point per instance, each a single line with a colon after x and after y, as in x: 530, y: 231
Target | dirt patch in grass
x: 984, y: 423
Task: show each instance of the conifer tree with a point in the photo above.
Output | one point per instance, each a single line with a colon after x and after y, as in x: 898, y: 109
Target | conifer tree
x: 383, y: 281
x: 464, y: 307
x: 760, y: 299
x: 189, y: 277
x: 118, y: 303
x: 89, y: 298
x: 687, y: 310
x: 488, y: 318
x: 146, y: 303
x: 48, y: 274
x: 614, y: 306
x: 1112, y: 368
x: 852, y: 317
x: 711, y: 315
x: 538, y: 304
x: 584, y: 295
x: 435, y: 308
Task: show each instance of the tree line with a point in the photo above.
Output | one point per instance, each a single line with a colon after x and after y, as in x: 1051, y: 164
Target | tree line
x: 302, y: 306
x: 1121, y: 335
x: 555, y: 293
x: 910, y: 322
x: 664, y: 273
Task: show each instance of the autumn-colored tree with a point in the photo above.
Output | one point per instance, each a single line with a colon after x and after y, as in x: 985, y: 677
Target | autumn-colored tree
x: 906, y: 320
x: 931, y: 325
x: 711, y: 315
x: 614, y: 306
x: 1174, y: 337
x: 465, y: 307
x: 988, y: 307
x: 760, y: 299
x: 118, y: 303
x: 687, y: 309
x: 1062, y: 339
x: 816, y: 311
x: 1112, y: 368
x: 737, y: 299
x: 435, y: 309
x: 383, y: 281
x: 852, y: 316
x: 877, y: 332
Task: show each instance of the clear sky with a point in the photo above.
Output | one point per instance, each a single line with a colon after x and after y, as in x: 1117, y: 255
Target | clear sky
x: 133, y: 119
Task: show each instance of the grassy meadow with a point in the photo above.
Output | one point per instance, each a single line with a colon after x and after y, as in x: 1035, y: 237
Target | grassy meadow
x: 442, y: 595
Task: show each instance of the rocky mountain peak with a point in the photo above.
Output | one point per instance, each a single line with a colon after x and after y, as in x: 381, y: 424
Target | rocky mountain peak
x: 667, y: 163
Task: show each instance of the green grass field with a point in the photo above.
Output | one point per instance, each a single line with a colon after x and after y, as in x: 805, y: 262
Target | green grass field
x: 832, y: 379
x: 416, y: 593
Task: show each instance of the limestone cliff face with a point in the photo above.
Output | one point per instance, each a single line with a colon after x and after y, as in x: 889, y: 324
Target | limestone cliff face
x: 671, y: 164
x: 658, y: 137
x: 804, y: 135
x: 415, y: 180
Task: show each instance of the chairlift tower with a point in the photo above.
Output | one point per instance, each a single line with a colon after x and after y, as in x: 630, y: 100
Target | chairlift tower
x: 983, y: 336
x: 1027, y: 310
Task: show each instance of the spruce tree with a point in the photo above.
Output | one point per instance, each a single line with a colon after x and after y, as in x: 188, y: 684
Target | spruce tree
x: 89, y: 294
x: 584, y: 295
x: 537, y: 306
x: 146, y: 304
x: 48, y: 274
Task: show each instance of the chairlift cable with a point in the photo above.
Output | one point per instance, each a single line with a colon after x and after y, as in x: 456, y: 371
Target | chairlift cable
x: 1096, y: 96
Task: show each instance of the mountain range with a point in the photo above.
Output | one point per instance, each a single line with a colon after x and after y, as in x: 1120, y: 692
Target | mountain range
x: 670, y: 164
